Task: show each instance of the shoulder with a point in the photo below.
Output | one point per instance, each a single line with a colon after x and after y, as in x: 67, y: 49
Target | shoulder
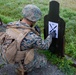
x: 32, y: 35
x: 15, y: 22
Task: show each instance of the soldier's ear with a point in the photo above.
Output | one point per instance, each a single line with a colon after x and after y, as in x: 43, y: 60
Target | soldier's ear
x: 0, y: 21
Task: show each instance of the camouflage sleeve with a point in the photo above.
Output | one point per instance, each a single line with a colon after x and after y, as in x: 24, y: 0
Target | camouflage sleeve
x: 34, y: 41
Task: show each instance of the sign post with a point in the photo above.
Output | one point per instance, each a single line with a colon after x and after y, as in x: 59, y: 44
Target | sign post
x: 53, y: 23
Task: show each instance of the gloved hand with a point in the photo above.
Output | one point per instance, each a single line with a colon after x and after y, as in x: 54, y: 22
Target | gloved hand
x: 53, y: 34
x: 37, y: 29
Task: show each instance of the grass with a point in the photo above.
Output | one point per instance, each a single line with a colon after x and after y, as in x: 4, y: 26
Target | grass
x: 68, y: 4
x: 10, y: 10
x: 63, y: 64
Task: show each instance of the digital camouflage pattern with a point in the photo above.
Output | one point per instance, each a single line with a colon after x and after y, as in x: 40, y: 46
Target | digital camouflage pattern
x: 2, y: 26
x: 34, y: 41
x: 31, y: 12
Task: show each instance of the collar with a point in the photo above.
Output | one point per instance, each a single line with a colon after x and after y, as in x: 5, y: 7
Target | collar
x: 19, y: 23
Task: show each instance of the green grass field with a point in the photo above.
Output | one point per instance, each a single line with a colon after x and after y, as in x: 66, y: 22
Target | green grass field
x: 10, y: 10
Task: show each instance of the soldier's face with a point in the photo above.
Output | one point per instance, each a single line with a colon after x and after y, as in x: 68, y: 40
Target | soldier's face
x: 32, y: 24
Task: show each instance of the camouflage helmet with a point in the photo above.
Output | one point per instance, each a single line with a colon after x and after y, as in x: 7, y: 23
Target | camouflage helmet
x: 31, y: 12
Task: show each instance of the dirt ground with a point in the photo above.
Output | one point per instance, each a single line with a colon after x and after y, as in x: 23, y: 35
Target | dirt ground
x: 48, y: 70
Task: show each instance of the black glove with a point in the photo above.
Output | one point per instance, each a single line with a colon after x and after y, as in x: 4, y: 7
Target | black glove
x: 37, y: 29
x: 53, y: 34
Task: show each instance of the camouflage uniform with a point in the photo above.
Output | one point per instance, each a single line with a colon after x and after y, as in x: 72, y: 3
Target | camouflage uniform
x: 34, y: 41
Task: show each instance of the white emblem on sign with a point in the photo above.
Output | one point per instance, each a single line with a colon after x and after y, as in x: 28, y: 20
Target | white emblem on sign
x: 53, y: 27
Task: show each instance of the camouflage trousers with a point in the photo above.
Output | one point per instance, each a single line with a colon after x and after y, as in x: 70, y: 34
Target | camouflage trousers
x: 39, y: 61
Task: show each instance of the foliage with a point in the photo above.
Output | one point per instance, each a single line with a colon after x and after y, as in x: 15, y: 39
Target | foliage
x: 10, y: 10
x: 62, y: 63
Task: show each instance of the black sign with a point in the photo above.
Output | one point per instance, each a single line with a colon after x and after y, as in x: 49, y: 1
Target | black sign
x: 53, y: 23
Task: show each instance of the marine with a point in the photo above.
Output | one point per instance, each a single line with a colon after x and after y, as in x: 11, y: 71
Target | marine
x: 32, y: 40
